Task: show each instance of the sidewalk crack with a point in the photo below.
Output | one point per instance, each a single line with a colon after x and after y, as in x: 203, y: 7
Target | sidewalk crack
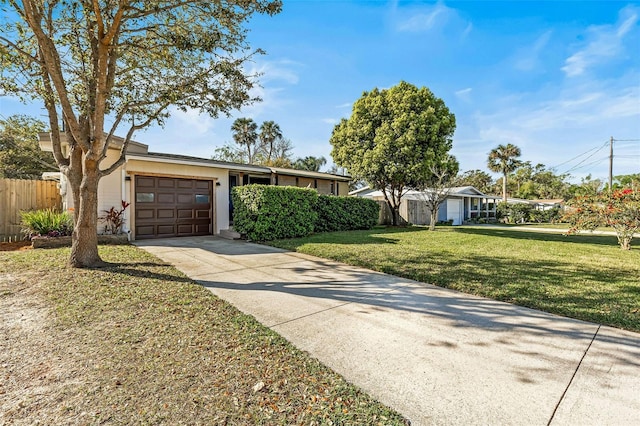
x: 574, y: 375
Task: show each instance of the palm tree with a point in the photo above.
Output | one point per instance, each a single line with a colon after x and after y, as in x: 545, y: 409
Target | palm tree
x: 269, y: 133
x: 245, y: 135
x: 310, y: 163
x: 503, y: 159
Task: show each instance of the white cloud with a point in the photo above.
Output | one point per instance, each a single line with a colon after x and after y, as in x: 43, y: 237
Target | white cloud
x: 283, y: 71
x: 332, y: 121
x: 193, y: 120
x: 428, y: 18
x: 605, y: 42
x: 345, y: 105
x: 466, y: 31
x: 528, y: 58
x: 464, y: 94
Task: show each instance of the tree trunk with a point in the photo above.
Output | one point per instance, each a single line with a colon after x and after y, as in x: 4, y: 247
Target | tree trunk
x: 433, y: 220
x: 84, y: 247
x: 395, y: 214
x: 504, y: 188
x: 625, y: 242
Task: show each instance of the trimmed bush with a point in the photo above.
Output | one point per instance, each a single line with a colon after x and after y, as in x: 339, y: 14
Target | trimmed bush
x: 345, y: 213
x: 264, y: 212
x: 46, y: 222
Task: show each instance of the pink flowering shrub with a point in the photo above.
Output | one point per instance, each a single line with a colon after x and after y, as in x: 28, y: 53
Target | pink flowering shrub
x: 619, y: 209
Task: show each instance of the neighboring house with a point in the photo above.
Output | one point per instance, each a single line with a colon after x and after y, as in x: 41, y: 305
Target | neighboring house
x: 175, y: 195
x: 544, y: 205
x: 462, y: 204
x: 541, y: 205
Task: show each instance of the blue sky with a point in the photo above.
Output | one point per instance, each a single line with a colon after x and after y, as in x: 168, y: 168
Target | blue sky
x: 555, y: 78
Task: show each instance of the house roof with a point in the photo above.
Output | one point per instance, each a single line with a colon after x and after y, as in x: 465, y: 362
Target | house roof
x: 44, y: 140
x: 458, y: 191
x: 140, y: 151
x: 310, y: 174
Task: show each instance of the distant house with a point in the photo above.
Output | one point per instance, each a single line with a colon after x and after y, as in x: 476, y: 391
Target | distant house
x: 462, y: 204
x: 542, y: 205
x: 176, y: 195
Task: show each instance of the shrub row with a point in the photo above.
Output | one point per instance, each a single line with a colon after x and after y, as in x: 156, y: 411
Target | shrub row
x: 519, y: 213
x: 264, y: 213
x: 345, y: 213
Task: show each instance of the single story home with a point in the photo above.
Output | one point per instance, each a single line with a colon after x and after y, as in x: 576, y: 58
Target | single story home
x: 542, y: 205
x: 176, y: 195
x: 461, y: 204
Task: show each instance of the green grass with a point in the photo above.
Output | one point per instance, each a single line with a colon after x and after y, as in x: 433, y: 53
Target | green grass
x: 583, y: 276
x: 150, y: 346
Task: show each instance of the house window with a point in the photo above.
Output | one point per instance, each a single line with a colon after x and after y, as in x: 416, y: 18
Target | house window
x: 202, y: 198
x: 475, y: 204
x: 145, y: 197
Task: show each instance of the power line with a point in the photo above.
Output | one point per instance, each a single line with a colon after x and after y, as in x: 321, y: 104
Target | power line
x: 576, y: 157
x: 586, y: 158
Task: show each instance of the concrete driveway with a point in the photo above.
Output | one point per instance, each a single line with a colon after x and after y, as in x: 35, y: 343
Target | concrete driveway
x: 435, y: 355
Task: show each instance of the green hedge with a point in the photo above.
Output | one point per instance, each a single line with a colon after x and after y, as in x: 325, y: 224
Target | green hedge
x: 345, y: 213
x: 264, y: 212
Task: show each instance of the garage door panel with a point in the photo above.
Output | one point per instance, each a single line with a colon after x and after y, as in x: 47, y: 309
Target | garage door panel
x: 185, y: 198
x: 184, y: 229
x: 148, y: 230
x: 202, y: 214
x: 167, y: 207
x: 187, y: 184
x: 166, y: 183
x: 145, y: 182
x: 164, y: 198
x: 166, y: 213
x: 202, y: 229
x: 185, y: 214
x: 145, y: 214
x: 166, y: 230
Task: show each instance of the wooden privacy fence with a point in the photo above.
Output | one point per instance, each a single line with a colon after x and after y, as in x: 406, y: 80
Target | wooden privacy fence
x: 17, y: 195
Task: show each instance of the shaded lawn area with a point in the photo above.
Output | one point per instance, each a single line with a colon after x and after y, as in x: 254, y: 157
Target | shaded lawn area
x: 140, y: 343
x: 582, y: 276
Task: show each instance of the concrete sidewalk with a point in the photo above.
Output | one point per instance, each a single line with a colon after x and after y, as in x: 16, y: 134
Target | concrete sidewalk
x: 435, y: 355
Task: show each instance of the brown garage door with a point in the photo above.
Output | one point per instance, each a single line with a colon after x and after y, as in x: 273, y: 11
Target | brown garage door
x: 170, y: 207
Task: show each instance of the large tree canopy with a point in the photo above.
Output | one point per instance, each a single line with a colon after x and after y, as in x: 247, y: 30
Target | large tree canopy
x: 20, y: 154
x: 107, y: 66
x: 393, y: 139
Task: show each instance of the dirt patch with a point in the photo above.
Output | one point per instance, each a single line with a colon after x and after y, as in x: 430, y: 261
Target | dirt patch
x: 15, y: 246
x: 37, y: 369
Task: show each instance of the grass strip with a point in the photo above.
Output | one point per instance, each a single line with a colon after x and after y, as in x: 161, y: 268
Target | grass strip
x: 586, y: 277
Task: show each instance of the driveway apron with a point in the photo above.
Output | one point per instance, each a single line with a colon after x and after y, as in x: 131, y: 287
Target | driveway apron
x: 435, y: 355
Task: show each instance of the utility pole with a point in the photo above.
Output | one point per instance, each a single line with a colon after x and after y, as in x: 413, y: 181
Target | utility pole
x: 611, y: 164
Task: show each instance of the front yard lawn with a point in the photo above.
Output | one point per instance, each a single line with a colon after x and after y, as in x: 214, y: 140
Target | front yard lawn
x: 140, y: 343
x: 586, y: 277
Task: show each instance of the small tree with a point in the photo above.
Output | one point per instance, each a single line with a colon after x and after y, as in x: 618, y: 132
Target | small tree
x: 619, y: 209
x: 434, y: 190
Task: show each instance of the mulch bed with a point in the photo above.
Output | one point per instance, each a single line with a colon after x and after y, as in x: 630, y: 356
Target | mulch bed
x: 16, y: 246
